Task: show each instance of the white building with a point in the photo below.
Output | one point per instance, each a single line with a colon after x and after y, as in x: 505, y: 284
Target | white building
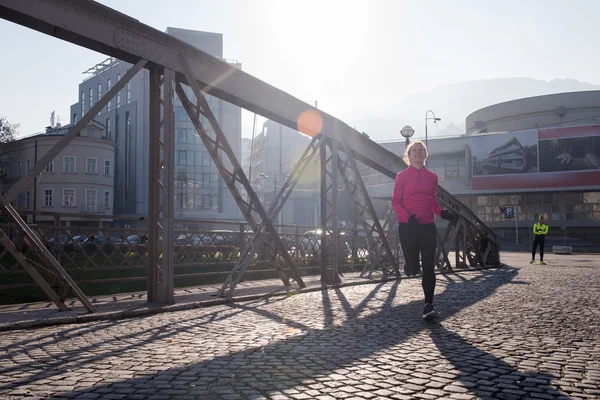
x: 80, y: 180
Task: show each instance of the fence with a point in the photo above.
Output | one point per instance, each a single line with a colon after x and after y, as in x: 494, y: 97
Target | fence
x: 110, y: 255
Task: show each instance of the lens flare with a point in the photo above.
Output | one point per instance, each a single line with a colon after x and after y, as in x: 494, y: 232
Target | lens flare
x: 310, y: 123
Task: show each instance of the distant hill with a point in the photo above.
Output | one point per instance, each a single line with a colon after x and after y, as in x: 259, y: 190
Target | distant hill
x: 452, y: 103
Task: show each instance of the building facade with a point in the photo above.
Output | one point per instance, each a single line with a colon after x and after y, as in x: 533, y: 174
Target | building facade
x: 80, y: 180
x: 199, y: 190
x: 533, y: 164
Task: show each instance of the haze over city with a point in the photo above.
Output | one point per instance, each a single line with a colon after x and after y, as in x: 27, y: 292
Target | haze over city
x: 376, y: 65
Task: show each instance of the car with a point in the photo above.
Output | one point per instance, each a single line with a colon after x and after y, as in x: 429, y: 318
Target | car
x: 310, y: 243
x: 219, y: 238
x: 76, y: 243
x: 188, y: 239
x: 61, y: 241
x: 100, y: 240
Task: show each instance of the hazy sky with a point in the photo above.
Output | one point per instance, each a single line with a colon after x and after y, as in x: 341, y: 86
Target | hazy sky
x: 353, y: 57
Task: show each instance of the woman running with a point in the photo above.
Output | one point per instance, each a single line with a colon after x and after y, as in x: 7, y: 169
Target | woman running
x: 415, y: 202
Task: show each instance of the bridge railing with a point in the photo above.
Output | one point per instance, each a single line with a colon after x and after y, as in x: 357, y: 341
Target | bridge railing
x: 110, y: 255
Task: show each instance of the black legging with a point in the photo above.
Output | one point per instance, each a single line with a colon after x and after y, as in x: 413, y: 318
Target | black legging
x: 541, y: 239
x: 415, y: 239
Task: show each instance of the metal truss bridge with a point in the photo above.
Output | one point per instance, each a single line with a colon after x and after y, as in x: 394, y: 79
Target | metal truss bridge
x: 173, y: 65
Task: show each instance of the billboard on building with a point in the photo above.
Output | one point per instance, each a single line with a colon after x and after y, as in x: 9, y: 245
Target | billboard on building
x: 537, y: 158
x: 580, y: 153
x: 505, y: 153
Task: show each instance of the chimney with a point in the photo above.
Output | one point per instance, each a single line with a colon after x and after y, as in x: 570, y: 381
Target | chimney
x: 58, y: 125
x: 49, y: 129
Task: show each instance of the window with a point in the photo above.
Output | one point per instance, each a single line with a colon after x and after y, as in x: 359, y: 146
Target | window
x: 19, y: 168
x: 49, y: 167
x: 90, y: 165
x: 182, y: 135
x: 128, y: 92
x: 90, y: 200
x: 106, y: 199
x: 69, y: 197
x: 127, y: 148
x: 181, y: 157
x: 108, y: 87
x: 206, y: 159
x: 74, y: 118
x: 91, y: 97
x: 119, y: 92
x: 99, y: 92
x: 69, y: 164
x: 107, y: 167
x: 107, y: 129
x: 28, y: 199
x: 82, y: 103
x: 48, y: 198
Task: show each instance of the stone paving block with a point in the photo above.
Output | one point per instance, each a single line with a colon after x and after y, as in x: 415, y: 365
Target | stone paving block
x: 365, y: 341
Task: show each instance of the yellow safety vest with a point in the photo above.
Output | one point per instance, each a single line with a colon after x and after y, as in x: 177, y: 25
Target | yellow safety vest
x: 540, y: 229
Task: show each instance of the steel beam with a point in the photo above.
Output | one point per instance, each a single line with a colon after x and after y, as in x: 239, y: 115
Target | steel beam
x: 328, y: 246
x: 46, y: 256
x: 105, y: 30
x: 233, y: 174
x: 161, y: 263
x: 380, y: 250
x: 257, y: 241
x: 39, y: 279
x: 249, y: 208
x: 444, y: 264
x: 102, y: 29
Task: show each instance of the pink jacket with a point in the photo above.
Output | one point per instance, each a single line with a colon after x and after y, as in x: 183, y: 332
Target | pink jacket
x: 415, y: 193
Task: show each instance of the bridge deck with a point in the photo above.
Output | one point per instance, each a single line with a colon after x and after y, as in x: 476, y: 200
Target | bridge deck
x: 522, y: 331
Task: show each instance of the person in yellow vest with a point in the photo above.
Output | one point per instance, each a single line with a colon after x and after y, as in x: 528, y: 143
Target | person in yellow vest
x: 540, y: 229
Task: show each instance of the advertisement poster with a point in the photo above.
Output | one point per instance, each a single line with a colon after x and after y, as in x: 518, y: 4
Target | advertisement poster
x: 551, y: 157
x: 570, y: 154
x: 505, y: 153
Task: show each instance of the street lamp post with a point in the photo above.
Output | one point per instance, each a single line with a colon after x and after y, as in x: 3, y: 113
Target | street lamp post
x: 407, y: 132
x: 274, y: 196
x: 428, y: 118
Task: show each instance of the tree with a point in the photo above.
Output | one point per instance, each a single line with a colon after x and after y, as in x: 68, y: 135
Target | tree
x: 8, y: 133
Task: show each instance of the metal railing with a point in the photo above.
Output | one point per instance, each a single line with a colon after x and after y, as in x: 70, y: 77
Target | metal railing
x: 112, y: 257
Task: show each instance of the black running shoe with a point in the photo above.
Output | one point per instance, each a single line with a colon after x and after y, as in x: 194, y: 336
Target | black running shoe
x: 429, y: 311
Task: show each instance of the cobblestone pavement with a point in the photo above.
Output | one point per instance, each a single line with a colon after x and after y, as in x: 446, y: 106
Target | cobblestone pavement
x: 517, y: 332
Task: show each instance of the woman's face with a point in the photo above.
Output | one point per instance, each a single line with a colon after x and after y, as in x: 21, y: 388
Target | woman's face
x: 417, y: 154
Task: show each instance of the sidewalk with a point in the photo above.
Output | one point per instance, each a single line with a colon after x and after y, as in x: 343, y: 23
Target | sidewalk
x: 516, y: 332
x: 129, y: 305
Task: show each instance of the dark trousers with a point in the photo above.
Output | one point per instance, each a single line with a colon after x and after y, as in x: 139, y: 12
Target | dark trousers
x: 539, y: 239
x: 420, y: 239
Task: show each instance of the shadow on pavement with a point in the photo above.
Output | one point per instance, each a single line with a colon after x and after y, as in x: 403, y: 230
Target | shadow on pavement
x: 484, y: 374
x: 303, y: 357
